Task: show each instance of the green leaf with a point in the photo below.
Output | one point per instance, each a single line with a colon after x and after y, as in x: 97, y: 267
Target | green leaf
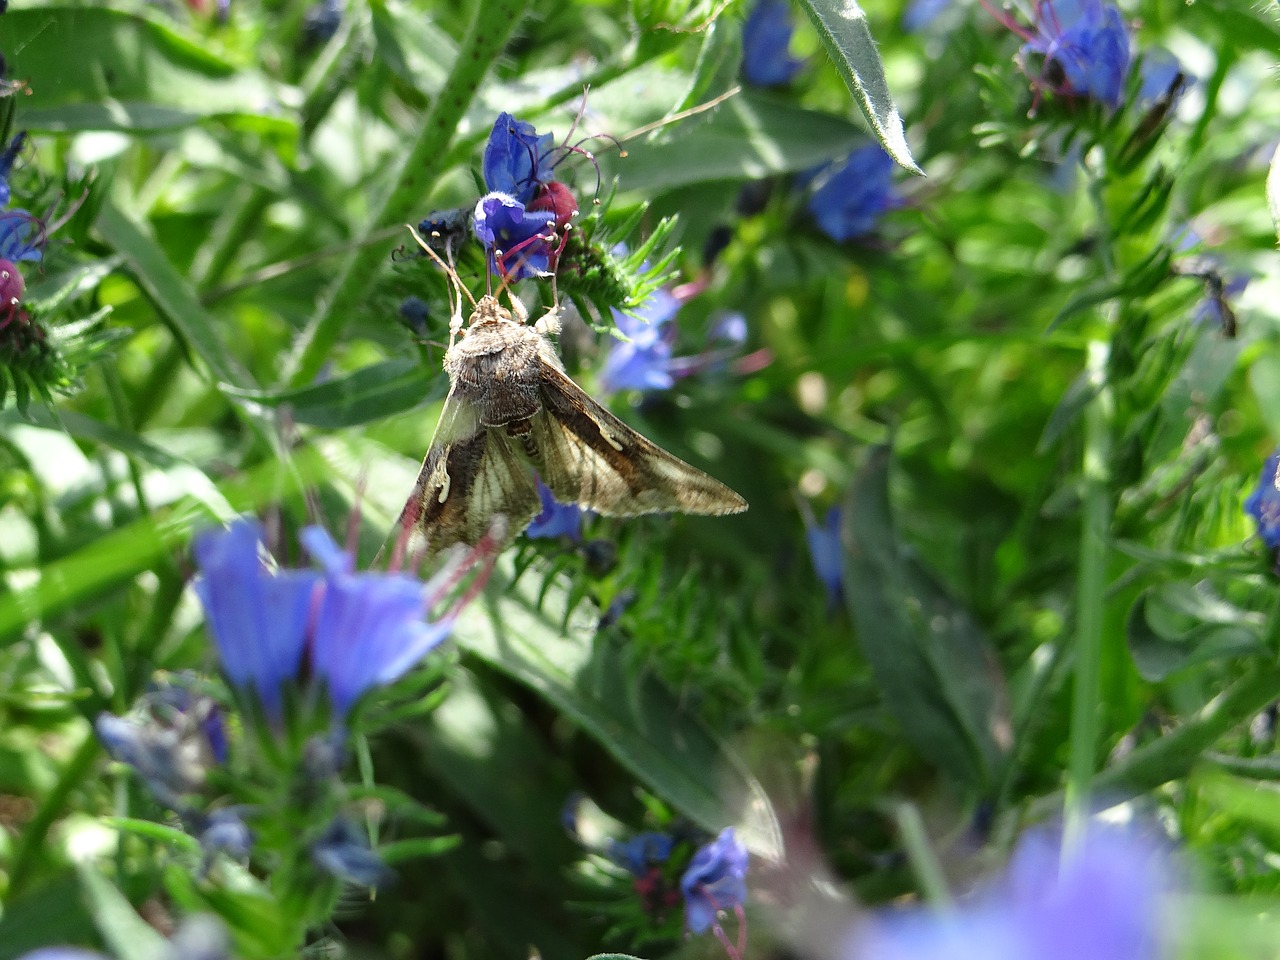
x: 169, y: 836
x: 749, y: 136
x: 555, y: 652
x: 172, y: 296
x: 843, y: 28
x: 1273, y: 190
x: 934, y: 664
x: 127, y: 934
x: 1177, y: 625
x: 90, y: 67
x: 371, y: 393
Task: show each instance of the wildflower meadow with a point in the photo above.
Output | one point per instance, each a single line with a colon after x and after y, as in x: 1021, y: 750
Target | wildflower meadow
x: 746, y: 479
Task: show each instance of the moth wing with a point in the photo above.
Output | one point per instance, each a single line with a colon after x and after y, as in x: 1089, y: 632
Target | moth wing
x: 588, y: 456
x: 469, y: 474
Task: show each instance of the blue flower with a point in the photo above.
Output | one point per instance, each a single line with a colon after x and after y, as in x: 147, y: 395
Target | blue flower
x: 1158, y: 71
x: 224, y: 831
x: 321, y: 22
x: 343, y: 852
x: 1088, y: 39
x: 826, y: 553
x: 765, y: 38
x: 169, y: 765
x: 259, y: 617
x: 1264, y: 503
x: 850, y: 195
x: 643, y: 362
x: 518, y: 241
x: 62, y: 953
x: 22, y: 236
x: 7, y: 160
x: 556, y: 519
x: 1101, y: 901
x: 641, y: 852
x: 414, y: 311
x: 370, y: 628
x: 516, y: 159
x: 715, y: 880
x: 920, y: 13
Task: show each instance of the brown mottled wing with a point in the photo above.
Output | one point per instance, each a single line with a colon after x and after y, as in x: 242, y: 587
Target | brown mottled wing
x: 470, y: 473
x: 588, y: 456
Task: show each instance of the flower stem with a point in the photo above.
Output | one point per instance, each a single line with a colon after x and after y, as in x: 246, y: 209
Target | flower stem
x: 492, y: 24
x: 924, y: 864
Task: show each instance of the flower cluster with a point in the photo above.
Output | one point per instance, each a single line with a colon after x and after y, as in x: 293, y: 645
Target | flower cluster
x: 523, y: 219
x: 826, y: 553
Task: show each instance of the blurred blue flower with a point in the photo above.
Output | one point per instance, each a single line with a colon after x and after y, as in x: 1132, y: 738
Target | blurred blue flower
x: 556, y: 519
x: 765, y: 38
x: 22, y: 236
x: 1102, y: 901
x: 259, y: 618
x: 343, y: 852
x: 7, y: 159
x: 169, y: 765
x: 224, y: 831
x: 522, y: 237
x: 516, y: 159
x: 920, y: 13
x: 642, y: 362
x: 1089, y: 40
x: 370, y: 628
x: 1264, y: 503
x: 62, y: 953
x: 1158, y: 69
x: 715, y: 880
x: 641, y: 852
x: 850, y: 195
x: 414, y: 311
x: 826, y: 553
x: 321, y: 22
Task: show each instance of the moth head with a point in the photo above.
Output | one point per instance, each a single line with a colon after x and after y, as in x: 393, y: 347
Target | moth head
x: 489, y: 310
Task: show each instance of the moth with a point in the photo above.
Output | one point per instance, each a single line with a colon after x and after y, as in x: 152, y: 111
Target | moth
x: 512, y: 411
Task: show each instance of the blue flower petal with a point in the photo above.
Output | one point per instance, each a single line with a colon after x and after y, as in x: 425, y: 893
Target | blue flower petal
x: 851, y: 195
x: 258, y: 618
x: 715, y: 880
x: 1264, y: 503
x: 516, y: 159
x: 765, y: 38
x: 504, y: 225
x: 556, y: 519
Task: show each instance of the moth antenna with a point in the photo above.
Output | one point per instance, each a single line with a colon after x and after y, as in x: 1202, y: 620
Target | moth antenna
x: 451, y: 274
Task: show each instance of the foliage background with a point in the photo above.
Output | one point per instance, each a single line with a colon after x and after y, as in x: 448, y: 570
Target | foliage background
x: 242, y: 195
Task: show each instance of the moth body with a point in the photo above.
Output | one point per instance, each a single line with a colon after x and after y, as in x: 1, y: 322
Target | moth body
x: 511, y: 411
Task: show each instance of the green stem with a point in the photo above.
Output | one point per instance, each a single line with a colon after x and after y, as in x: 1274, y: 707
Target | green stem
x: 1174, y: 754
x: 1091, y: 591
x: 491, y: 25
x: 924, y: 863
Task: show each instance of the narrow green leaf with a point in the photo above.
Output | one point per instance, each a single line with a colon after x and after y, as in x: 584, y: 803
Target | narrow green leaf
x: 129, y: 936
x: 172, y: 296
x: 935, y: 666
x: 1176, y: 626
x: 170, y: 836
x: 554, y: 651
x: 842, y: 25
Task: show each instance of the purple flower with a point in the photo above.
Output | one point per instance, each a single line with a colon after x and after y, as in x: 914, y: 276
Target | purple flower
x: 516, y: 159
x: 850, y: 195
x: 1088, y: 39
x: 62, y: 953
x: 715, y: 880
x: 765, y: 38
x: 641, y: 852
x: 1101, y: 901
x: 370, y: 628
x: 556, y: 519
x: 643, y: 362
x: 1264, y: 503
x: 259, y: 617
x: 826, y: 553
x: 518, y: 241
x: 343, y: 852
x: 169, y: 764
x: 224, y: 831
